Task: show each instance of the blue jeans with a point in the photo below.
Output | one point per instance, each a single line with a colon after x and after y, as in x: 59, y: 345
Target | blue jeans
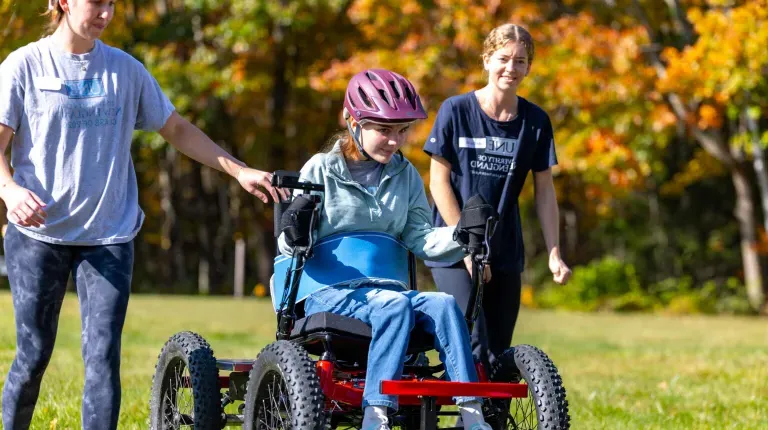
x: 392, y: 315
x: 38, y: 274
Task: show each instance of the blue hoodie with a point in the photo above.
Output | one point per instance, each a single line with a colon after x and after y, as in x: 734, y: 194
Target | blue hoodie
x: 398, y: 208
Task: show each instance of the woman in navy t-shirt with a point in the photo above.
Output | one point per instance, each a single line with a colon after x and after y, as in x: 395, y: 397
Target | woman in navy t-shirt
x: 485, y: 142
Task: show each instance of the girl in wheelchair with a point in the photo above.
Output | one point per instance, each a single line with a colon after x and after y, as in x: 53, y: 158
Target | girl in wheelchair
x: 370, y: 186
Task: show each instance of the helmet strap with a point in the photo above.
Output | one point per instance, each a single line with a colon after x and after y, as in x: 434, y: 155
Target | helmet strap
x: 357, y: 136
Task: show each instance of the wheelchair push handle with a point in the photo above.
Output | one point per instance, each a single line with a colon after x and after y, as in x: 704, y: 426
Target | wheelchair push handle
x: 297, y: 217
x: 290, y: 180
x: 474, y: 231
x: 476, y: 226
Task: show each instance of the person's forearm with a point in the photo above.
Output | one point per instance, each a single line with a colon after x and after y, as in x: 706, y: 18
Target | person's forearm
x: 6, y: 134
x: 192, y: 142
x: 445, y: 201
x: 549, y: 216
x: 5, y: 171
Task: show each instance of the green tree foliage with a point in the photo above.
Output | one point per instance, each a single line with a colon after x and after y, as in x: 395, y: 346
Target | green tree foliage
x: 660, y: 120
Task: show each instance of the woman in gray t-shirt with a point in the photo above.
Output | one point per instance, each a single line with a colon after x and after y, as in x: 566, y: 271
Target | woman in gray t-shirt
x: 69, y: 104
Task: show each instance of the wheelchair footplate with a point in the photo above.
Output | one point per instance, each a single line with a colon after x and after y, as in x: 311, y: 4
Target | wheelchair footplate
x: 347, y: 388
x: 438, y: 389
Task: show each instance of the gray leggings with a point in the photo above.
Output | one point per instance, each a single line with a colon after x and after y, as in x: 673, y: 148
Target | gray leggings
x: 38, y: 273
x: 492, y: 333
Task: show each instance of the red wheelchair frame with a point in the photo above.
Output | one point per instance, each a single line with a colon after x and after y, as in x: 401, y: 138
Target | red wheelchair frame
x: 187, y: 363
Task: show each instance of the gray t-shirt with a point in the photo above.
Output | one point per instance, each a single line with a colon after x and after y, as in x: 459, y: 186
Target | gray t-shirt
x: 74, y: 117
x: 366, y: 173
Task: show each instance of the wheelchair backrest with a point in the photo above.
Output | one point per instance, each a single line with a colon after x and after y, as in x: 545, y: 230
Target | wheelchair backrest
x: 344, y: 258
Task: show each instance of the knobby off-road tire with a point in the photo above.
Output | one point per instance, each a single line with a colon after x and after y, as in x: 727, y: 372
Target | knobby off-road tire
x: 185, y: 391
x: 545, y: 407
x: 283, y: 391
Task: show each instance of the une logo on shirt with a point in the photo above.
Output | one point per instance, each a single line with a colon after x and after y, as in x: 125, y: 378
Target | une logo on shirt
x: 500, y: 146
x: 86, y: 88
x: 491, y: 145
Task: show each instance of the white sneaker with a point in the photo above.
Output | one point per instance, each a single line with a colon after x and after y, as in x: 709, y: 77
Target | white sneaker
x: 375, y: 418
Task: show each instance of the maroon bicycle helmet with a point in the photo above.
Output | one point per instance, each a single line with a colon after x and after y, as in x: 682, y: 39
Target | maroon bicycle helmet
x: 380, y: 95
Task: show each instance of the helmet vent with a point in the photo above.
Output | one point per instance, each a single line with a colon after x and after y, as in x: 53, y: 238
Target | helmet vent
x: 394, y: 88
x: 364, y: 98
x: 384, y: 96
x: 409, y: 96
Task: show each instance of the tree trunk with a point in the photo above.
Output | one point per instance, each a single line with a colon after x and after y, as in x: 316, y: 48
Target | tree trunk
x: 758, y: 161
x: 744, y: 213
x: 161, y: 6
x: 204, y: 228
x: 278, y: 101
x: 222, y: 244
x: 570, y: 218
x: 660, y: 237
x: 262, y: 253
x: 165, y: 182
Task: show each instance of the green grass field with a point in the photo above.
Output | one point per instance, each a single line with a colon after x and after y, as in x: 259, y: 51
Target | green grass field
x: 621, y: 371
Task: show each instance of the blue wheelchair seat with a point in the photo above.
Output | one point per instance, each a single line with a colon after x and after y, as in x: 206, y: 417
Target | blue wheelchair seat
x: 342, y: 259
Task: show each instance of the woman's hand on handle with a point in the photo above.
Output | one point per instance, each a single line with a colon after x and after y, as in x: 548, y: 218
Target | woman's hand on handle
x: 486, y: 272
x: 252, y: 179
x: 25, y: 208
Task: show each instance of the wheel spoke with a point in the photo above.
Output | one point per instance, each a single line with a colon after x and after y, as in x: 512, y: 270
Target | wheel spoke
x: 523, y: 415
x: 184, y: 397
x: 282, y: 391
x: 178, y: 399
x: 273, y: 405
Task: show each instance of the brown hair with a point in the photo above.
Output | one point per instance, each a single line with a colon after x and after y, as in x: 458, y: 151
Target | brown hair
x: 348, y: 148
x: 499, y: 36
x: 57, y: 14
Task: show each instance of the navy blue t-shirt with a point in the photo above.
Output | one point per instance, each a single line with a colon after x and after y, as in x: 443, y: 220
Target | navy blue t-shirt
x: 482, y: 151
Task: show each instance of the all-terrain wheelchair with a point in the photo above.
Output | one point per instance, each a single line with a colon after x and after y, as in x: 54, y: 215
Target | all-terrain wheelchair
x: 312, y: 377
